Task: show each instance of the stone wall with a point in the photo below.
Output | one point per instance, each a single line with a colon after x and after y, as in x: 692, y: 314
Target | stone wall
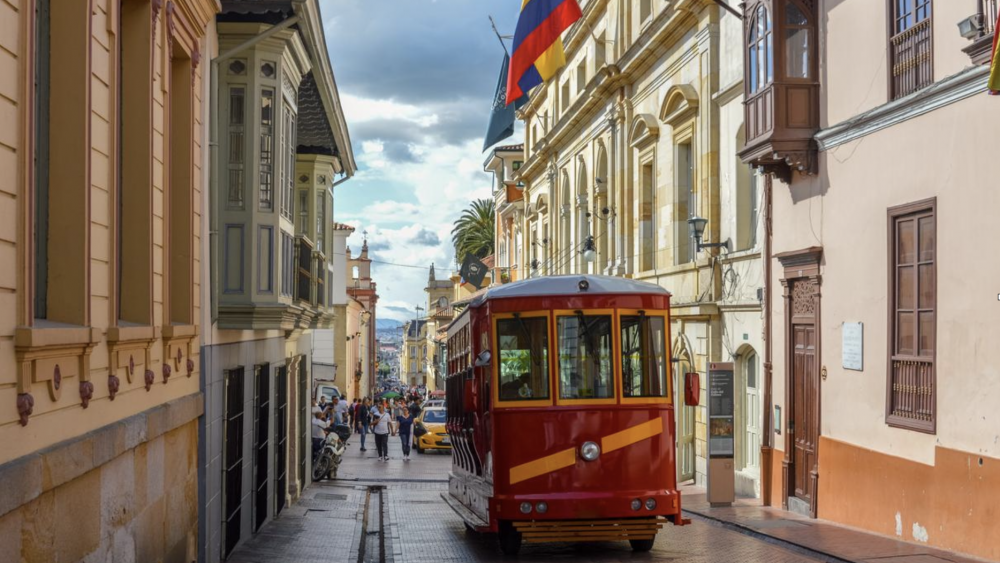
x: 125, y: 492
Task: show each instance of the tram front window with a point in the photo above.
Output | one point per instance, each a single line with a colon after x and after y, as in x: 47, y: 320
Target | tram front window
x: 524, y: 358
x: 585, y: 369
x: 644, y: 356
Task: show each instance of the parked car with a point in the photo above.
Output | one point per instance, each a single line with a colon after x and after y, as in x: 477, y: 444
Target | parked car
x: 436, y: 437
x: 434, y: 404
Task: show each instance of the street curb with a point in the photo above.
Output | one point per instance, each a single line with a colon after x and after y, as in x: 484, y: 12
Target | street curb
x: 790, y: 545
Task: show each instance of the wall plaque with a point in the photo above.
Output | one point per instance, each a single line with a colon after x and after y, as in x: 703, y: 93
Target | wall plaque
x: 853, y: 346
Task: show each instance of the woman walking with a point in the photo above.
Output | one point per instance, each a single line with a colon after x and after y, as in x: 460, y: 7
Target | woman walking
x: 404, y: 426
x: 380, y: 426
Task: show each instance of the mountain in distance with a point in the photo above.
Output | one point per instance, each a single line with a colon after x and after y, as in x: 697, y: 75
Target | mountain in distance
x: 387, y: 324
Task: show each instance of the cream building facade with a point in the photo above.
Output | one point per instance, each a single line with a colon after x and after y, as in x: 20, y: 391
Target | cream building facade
x: 282, y: 142
x: 637, y: 134
x: 873, y: 120
x: 103, y: 114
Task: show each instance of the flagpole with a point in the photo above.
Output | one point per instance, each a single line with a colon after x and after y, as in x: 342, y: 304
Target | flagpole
x: 499, y: 37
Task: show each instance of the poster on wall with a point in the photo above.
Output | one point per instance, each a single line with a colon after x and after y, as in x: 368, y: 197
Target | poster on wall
x: 721, y: 410
x: 852, y: 350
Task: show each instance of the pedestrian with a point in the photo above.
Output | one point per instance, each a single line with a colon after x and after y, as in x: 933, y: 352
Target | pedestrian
x: 415, y: 407
x: 319, y: 429
x: 340, y: 410
x: 364, y: 416
x: 356, y: 415
x: 404, y: 423
x: 380, y: 426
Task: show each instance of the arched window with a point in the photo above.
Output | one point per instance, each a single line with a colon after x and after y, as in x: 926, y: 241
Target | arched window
x: 797, y: 42
x: 760, y: 45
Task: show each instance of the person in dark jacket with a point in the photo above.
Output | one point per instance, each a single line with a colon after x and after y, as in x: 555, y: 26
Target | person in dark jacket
x: 364, y: 414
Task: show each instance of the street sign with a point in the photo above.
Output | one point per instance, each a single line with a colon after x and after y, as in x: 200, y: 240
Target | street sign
x: 721, y: 410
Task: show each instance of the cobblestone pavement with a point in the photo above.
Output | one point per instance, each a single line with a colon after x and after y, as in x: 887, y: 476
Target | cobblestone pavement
x: 420, y: 528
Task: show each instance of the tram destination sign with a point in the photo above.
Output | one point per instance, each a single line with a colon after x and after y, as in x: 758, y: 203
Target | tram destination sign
x: 721, y: 410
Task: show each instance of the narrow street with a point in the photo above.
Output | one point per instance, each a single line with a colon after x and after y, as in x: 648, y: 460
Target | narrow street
x: 415, y: 526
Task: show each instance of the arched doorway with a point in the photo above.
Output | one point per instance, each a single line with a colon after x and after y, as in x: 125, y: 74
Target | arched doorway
x: 683, y: 414
x: 748, y: 422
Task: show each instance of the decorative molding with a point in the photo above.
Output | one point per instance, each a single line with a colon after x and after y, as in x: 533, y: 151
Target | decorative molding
x: 150, y: 378
x: 156, y: 6
x: 113, y: 385
x: 86, y: 393
x: 644, y: 130
x: 166, y: 372
x: 955, y: 88
x: 25, y: 406
x: 679, y: 105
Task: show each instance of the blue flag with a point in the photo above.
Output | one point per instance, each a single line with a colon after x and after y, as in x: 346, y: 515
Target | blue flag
x: 502, y: 117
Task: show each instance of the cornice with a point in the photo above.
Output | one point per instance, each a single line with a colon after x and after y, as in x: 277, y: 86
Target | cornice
x: 954, y: 88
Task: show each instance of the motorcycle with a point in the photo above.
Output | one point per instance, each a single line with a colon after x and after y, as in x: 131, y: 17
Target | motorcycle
x: 327, y: 460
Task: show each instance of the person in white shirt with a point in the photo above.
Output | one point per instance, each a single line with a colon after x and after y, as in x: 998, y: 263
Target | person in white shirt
x: 380, y: 426
x: 339, y: 410
x: 319, y: 428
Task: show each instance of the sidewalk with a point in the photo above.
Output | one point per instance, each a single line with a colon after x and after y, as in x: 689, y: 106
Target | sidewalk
x: 832, y: 541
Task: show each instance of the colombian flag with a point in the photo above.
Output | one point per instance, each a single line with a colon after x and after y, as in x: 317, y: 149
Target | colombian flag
x: 538, y: 48
x: 994, y: 82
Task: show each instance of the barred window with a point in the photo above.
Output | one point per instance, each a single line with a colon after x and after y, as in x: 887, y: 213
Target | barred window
x: 266, y: 200
x: 237, y: 146
x: 911, y: 387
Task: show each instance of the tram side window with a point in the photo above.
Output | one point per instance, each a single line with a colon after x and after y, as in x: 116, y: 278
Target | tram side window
x: 644, y: 356
x: 524, y: 358
x: 585, y: 356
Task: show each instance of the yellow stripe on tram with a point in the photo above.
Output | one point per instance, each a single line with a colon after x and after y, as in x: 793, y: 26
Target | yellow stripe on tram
x: 567, y: 457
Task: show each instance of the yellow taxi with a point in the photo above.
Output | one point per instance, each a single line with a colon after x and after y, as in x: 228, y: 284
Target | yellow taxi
x: 436, y: 438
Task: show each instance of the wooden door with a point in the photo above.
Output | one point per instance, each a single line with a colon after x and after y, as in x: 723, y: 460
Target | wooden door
x: 280, y: 439
x: 804, y: 428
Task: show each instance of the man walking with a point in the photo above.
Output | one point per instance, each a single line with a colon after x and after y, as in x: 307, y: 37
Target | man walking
x: 364, y: 418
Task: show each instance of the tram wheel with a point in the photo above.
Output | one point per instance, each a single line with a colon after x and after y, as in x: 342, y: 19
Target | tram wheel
x: 641, y: 545
x: 510, y: 539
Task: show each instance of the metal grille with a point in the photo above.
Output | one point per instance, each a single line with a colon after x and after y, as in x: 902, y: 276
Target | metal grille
x: 912, y: 64
x: 262, y: 435
x: 280, y: 439
x: 266, y: 197
x: 232, y: 477
x: 913, y: 390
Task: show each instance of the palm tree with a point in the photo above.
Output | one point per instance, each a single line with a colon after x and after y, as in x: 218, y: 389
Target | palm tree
x: 474, y: 230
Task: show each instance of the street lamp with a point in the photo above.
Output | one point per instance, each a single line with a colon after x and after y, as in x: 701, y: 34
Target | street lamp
x: 697, y: 227
x: 589, y: 254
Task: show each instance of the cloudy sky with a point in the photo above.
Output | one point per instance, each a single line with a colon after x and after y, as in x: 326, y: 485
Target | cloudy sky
x: 416, y: 79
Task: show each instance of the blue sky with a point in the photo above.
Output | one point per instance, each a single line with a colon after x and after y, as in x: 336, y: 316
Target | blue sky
x: 416, y: 78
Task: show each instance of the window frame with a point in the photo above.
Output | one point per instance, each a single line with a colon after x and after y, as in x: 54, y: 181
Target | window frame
x: 495, y: 377
x: 759, y: 42
x: 669, y: 399
x: 894, y: 215
x: 615, y: 347
x: 891, y: 33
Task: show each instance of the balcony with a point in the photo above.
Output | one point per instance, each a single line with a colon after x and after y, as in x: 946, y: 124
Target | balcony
x: 986, y: 17
x: 912, y: 59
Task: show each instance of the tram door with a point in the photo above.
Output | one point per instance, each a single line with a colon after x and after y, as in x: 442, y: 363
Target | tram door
x: 685, y: 425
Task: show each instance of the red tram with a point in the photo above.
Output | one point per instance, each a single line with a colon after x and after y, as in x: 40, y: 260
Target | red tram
x: 560, y: 412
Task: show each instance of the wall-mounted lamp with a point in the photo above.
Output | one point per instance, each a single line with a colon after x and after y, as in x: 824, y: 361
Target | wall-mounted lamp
x: 589, y: 253
x: 971, y: 27
x: 697, y: 227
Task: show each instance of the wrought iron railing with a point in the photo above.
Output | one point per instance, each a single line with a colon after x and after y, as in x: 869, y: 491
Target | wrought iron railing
x: 988, y: 12
x: 912, y: 59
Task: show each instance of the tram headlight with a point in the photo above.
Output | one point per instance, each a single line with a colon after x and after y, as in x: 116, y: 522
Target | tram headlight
x: 650, y: 504
x: 636, y: 504
x: 541, y: 507
x: 525, y: 508
x: 590, y: 451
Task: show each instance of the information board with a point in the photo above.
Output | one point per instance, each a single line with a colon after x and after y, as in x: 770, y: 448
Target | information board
x: 721, y: 410
x: 853, y: 346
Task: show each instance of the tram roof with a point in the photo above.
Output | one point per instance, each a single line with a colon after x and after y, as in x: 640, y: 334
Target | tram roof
x: 569, y: 285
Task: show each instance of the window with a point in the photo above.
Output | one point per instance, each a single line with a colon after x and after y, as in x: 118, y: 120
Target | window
x: 645, y: 10
x: 686, y: 206
x: 523, y: 345
x: 761, y: 56
x: 181, y: 188
x: 911, y: 47
x: 644, y: 356
x: 287, y: 264
x: 565, y: 96
x: 288, y: 174
x: 320, y: 220
x: 581, y: 77
x: 413, y: 351
x: 600, y: 51
x: 266, y: 199
x: 517, y: 165
x: 911, y: 393
x: 265, y: 259
x: 647, y: 209
x: 585, y: 352
x: 237, y: 146
x: 43, y: 54
x: 796, y: 42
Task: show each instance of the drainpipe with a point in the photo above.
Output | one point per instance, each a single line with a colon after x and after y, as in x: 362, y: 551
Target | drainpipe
x: 213, y: 215
x: 767, y: 448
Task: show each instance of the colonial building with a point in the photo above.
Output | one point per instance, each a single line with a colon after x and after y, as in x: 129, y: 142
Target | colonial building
x: 508, y: 196
x: 103, y: 133
x: 636, y: 135
x: 362, y: 299
x: 329, y: 351
x: 281, y: 141
x: 872, y: 122
x: 413, y: 365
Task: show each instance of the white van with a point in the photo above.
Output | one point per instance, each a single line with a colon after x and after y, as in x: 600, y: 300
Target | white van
x: 326, y: 388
